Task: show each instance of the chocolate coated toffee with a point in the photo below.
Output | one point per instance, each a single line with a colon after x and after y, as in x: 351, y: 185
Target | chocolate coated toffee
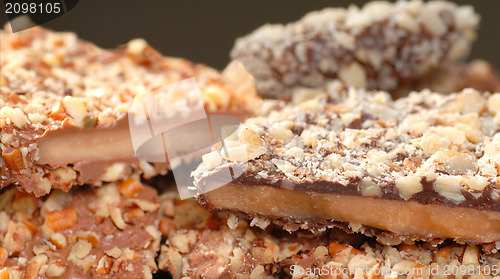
x: 383, y: 45
x: 64, y: 106
x: 422, y: 167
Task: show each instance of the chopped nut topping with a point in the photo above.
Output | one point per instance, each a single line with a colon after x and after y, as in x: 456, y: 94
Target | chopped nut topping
x: 65, y: 176
x: 4, y: 274
x: 165, y: 226
x: 354, y: 75
x: 494, y: 104
x: 183, y: 242
x: 106, y: 197
x: 56, y: 269
x: 58, y: 240
x: 116, y: 217
x: 168, y: 208
x: 114, y: 172
x: 409, y: 185
x: 104, y: 265
x: 432, y: 143
x: 80, y: 250
x: 14, y: 160
x: 58, y: 112
x: 76, y: 109
x: 3, y: 256
x: 449, y: 186
x: 15, y: 238
x: 266, y: 252
x: 471, y: 255
x: 60, y: 219
x: 34, y: 266
x: 470, y: 101
x: 370, y: 188
x: 144, y: 205
x: 130, y: 187
x: 477, y: 183
x: 432, y: 22
x: 250, y: 146
x: 454, y: 163
x: 114, y: 252
x: 42, y: 249
x: 280, y: 133
x: 14, y: 115
x: 89, y: 236
x: 134, y: 216
x: 86, y: 263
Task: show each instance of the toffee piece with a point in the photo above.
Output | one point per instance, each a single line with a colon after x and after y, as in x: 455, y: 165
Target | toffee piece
x: 64, y: 105
x: 383, y: 46
x: 426, y: 166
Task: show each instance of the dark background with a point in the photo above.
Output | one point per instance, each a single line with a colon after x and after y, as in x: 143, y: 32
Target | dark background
x: 204, y: 30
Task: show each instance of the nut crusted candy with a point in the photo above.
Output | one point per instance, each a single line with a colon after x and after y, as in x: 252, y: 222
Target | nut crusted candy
x: 231, y: 248
x: 380, y: 46
x: 72, y: 235
x: 64, y: 102
x: 422, y: 154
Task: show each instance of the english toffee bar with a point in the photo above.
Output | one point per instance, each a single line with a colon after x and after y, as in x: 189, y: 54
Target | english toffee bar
x: 421, y: 167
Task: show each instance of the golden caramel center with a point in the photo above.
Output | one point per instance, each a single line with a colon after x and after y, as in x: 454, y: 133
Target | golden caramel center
x: 86, y: 145
x: 405, y: 217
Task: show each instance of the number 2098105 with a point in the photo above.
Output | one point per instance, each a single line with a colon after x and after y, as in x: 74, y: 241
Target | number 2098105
x: 33, y: 8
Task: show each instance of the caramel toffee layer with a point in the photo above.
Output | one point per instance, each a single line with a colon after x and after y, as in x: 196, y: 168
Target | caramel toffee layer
x: 105, y: 232
x: 407, y: 218
x: 423, y: 167
x: 382, y: 45
x: 64, y: 104
x: 201, y: 245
